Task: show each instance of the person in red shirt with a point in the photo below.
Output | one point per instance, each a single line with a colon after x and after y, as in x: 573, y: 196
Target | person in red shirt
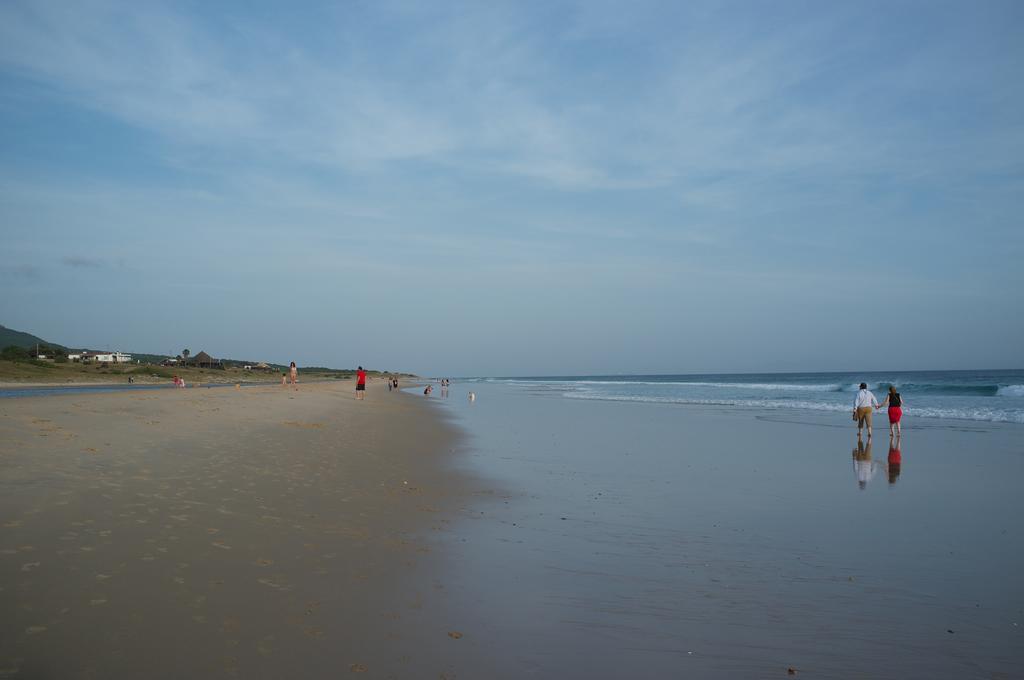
x: 360, y: 383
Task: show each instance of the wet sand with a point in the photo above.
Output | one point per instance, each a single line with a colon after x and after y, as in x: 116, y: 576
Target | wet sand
x: 258, y: 532
x: 667, y: 541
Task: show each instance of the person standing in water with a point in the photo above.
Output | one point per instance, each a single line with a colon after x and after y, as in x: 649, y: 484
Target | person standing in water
x: 895, y: 403
x: 863, y: 404
x: 360, y: 383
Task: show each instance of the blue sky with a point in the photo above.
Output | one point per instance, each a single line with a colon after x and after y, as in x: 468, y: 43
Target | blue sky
x: 521, y: 188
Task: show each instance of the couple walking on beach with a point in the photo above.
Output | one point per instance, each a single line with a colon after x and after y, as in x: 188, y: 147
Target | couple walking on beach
x: 865, y: 401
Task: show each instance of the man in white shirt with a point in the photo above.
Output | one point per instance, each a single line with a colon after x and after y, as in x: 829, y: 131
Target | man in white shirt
x: 863, y: 406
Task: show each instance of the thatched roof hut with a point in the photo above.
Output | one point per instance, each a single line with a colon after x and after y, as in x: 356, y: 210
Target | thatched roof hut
x: 204, y: 360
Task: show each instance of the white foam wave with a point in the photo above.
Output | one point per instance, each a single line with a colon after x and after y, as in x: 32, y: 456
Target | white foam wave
x: 988, y: 415
x: 788, y: 387
x: 855, y: 387
x: 791, y: 387
x: 1010, y: 391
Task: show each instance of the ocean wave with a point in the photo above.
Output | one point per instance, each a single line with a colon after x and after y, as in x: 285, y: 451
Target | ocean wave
x: 980, y: 414
x: 788, y: 387
x: 792, y: 387
x: 878, y: 386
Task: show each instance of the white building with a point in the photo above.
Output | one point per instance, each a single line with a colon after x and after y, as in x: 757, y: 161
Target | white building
x: 105, y: 357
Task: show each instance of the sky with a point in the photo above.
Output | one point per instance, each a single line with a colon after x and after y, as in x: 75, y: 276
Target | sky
x: 522, y: 188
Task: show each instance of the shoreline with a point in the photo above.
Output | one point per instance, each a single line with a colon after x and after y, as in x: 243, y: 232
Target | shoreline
x: 270, y: 532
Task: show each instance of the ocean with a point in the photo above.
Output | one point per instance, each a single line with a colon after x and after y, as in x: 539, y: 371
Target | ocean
x: 992, y: 395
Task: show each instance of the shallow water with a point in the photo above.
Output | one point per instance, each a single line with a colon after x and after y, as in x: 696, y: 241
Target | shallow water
x: 627, y: 539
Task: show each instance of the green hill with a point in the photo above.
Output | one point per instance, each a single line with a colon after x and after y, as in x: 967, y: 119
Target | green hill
x: 9, y: 336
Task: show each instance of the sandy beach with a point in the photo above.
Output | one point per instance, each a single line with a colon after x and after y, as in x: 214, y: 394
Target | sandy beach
x: 253, y: 532
x: 264, y: 532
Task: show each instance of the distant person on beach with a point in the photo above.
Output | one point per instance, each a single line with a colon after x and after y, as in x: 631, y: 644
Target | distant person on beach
x: 863, y: 404
x: 895, y: 403
x: 284, y: 380
x: 360, y: 383
x: 428, y: 389
x: 389, y: 384
x: 294, y: 370
x: 396, y: 383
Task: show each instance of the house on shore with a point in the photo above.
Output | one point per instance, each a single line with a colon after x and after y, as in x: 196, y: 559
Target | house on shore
x: 104, y: 357
x: 204, y: 360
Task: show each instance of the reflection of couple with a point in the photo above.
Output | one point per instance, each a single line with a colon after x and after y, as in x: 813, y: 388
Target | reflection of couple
x: 865, y: 401
x: 865, y: 468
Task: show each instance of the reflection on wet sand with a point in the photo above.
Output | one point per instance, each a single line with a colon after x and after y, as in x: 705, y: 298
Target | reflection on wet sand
x: 863, y: 466
x: 895, y: 460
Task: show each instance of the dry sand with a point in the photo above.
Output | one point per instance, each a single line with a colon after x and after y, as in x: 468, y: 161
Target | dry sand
x: 254, y: 532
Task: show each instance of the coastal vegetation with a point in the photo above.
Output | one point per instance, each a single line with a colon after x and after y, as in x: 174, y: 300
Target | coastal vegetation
x: 22, y: 368
x: 20, y: 363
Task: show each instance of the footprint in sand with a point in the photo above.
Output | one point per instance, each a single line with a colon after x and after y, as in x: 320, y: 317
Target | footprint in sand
x: 33, y: 630
x: 98, y: 601
x: 270, y: 584
x: 29, y: 566
x: 357, y: 668
x: 455, y: 635
x: 264, y: 562
x: 222, y: 546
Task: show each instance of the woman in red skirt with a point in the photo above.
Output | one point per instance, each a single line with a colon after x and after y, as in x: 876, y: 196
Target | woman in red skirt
x: 895, y: 403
